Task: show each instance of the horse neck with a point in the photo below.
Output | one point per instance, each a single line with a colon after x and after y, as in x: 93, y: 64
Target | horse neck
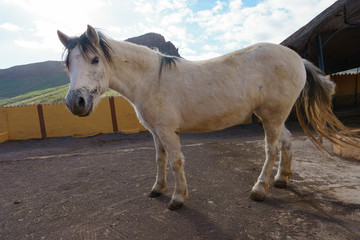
x: 134, y: 67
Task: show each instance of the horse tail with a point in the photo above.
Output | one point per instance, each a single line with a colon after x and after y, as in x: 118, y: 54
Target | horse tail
x: 315, y: 103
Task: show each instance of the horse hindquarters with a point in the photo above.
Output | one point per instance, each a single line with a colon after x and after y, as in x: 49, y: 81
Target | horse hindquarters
x: 273, y: 113
x: 277, y: 140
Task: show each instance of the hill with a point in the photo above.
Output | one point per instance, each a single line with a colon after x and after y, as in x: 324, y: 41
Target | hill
x: 44, y: 82
x: 50, y: 95
x: 155, y: 40
x: 23, y: 79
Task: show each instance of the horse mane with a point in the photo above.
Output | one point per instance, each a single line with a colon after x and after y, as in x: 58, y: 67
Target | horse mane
x: 137, y: 53
x: 167, y: 61
x: 87, y: 46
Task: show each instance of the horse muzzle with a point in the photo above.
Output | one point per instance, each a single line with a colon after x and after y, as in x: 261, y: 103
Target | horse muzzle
x: 79, y: 103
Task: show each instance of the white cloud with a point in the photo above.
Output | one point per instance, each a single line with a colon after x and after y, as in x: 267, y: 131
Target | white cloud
x: 203, y: 56
x: 235, y: 5
x: 44, y: 37
x: 167, y: 17
x: 210, y: 48
x: 219, y: 6
x: 143, y: 7
x: 230, y: 25
x: 48, y: 16
x: 187, y: 51
x: 10, y: 27
x: 61, y: 10
x: 29, y: 44
x: 227, y: 25
x: 271, y: 20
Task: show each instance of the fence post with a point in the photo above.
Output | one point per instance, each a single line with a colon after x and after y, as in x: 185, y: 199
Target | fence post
x: 41, y: 121
x: 113, y: 114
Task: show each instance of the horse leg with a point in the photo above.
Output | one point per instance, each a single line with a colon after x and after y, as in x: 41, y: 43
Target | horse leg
x: 171, y: 142
x: 284, y: 170
x: 272, y: 134
x: 161, y: 161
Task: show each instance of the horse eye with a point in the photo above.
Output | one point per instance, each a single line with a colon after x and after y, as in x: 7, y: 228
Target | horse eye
x: 95, y: 60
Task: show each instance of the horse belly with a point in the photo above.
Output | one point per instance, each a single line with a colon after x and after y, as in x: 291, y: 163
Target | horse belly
x: 224, y: 104
x: 201, y: 122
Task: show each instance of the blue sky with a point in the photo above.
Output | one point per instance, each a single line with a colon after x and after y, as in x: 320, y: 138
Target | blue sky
x: 201, y: 29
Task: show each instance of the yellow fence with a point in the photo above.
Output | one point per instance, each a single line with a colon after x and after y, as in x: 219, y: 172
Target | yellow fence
x: 113, y: 114
x: 54, y: 120
x: 347, y: 83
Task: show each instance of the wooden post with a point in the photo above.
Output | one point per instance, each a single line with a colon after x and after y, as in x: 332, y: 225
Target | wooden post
x: 41, y: 121
x: 113, y: 114
x: 356, y: 87
x: 320, y: 54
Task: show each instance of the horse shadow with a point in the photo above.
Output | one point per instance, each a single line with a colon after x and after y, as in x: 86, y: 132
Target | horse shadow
x: 205, y: 227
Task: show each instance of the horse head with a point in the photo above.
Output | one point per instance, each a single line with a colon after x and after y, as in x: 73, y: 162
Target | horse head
x: 87, y: 62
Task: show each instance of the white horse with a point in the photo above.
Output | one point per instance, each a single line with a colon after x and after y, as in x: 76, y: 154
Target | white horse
x: 172, y: 95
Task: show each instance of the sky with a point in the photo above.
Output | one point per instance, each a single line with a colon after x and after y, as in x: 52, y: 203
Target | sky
x: 201, y: 29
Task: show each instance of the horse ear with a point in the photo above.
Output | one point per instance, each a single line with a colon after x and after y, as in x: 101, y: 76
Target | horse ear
x: 63, y: 37
x: 92, y: 35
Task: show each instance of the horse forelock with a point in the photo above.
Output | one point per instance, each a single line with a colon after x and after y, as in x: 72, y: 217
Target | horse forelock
x: 86, y: 46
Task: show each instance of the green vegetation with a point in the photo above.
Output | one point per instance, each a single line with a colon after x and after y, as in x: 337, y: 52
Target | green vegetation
x: 37, y: 83
x: 50, y: 95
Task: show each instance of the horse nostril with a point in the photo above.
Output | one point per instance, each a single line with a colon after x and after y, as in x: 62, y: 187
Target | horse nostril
x: 81, y: 102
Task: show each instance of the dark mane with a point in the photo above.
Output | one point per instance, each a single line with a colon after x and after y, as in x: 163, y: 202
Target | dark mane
x: 167, y: 61
x: 86, y: 46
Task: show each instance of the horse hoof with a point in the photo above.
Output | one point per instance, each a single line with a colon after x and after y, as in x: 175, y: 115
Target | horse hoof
x: 154, y: 194
x: 258, y: 197
x: 174, y: 205
x: 280, y: 184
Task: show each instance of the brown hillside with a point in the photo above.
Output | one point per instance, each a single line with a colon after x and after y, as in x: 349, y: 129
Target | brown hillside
x: 155, y: 40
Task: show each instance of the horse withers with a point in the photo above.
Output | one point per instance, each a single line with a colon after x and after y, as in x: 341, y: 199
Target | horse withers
x: 172, y: 95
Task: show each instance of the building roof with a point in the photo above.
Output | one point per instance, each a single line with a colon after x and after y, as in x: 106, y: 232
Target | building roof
x: 338, y: 30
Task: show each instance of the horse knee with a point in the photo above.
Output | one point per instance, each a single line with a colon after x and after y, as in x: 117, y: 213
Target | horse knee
x: 272, y: 150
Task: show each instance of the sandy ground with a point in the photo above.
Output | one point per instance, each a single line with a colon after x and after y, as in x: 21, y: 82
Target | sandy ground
x: 96, y: 188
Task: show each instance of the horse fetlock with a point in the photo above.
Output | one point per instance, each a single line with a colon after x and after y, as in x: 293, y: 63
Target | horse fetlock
x: 153, y: 194
x: 280, y: 183
x: 158, y: 189
x: 280, y: 180
x: 186, y: 193
x: 177, y: 199
x: 257, y: 196
x: 288, y: 174
x: 259, y: 190
x: 181, y: 194
x: 284, y: 174
x: 174, y: 205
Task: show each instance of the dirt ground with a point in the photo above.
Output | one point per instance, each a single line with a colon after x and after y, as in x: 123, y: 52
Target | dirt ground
x: 96, y: 188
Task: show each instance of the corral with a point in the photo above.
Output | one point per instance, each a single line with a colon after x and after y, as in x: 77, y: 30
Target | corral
x: 95, y: 188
